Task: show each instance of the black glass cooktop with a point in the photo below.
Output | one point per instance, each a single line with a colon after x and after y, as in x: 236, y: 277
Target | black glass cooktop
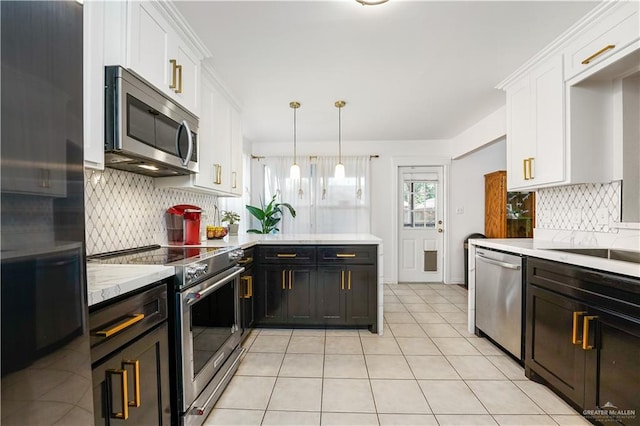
x: 156, y: 255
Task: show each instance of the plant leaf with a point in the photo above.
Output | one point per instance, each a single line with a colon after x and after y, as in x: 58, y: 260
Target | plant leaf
x: 290, y: 208
x: 256, y: 212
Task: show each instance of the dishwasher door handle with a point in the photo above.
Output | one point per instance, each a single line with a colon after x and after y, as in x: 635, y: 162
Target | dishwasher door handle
x: 498, y: 263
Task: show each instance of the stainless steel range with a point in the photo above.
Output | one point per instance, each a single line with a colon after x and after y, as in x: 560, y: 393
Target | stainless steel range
x: 205, y: 319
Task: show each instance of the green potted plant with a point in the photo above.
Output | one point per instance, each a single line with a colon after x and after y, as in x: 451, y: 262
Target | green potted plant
x: 232, y: 218
x: 269, y: 215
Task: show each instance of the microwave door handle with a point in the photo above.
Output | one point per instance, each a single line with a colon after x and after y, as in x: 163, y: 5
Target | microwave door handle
x: 185, y: 125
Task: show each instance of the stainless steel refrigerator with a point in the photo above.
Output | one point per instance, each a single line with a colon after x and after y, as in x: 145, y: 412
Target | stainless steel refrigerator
x: 45, y: 360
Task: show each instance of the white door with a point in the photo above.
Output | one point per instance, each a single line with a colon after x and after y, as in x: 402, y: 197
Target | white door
x: 421, y: 224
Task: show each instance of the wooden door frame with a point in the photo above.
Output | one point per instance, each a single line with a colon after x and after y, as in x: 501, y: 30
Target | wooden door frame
x: 398, y: 162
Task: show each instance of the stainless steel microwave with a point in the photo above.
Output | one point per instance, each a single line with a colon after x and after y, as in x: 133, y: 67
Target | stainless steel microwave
x: 145, y: 131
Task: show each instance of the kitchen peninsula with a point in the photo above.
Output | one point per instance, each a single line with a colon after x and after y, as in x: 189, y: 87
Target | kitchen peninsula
x: 334, y: 258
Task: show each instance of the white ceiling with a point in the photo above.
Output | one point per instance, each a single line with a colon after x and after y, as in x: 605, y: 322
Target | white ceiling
x: 408, y: 70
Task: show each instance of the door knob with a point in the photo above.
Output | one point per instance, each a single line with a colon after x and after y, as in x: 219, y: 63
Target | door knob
x: 440, y: 230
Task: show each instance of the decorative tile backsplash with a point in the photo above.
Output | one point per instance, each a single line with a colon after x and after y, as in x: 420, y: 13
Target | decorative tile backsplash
x: 575, y: 207
x: 125, y: 210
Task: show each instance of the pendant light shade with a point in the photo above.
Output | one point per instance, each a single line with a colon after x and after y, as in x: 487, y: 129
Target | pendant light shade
x: 339, y: 172
x: 294, y: 172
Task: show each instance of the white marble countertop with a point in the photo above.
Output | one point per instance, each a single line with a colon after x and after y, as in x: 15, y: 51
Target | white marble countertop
x: 106, y: 281
x: 541, y: 249
x: 250, y: 240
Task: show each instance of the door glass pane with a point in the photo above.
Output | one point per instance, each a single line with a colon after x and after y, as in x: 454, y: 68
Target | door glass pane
x: 419, y: 210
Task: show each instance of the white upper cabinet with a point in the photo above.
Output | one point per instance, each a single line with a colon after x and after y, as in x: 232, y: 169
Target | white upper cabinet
x: 159, y: 54
x: 603, y: 40
x: 144, y: 37
x: 535, y: 130
x: 237, y: 142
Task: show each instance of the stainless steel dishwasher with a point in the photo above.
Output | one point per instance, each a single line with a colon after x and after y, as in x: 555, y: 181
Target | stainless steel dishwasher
x: 499, y: 298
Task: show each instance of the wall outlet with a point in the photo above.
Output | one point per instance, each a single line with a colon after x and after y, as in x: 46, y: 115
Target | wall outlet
x: 602, y: 216
x: 576, y: 216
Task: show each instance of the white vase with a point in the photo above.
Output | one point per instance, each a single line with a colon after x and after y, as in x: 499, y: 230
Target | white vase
x: 233, y: 229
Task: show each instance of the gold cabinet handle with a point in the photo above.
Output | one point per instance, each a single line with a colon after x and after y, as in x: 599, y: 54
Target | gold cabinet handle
x: 524, y: 169
x: 349, y: 281
x: 217, y: 174
x: 248, y: 292
x: 345, y: 255
x: 283, y: 278
x: 245, y: 261
x: 585, y: 332
x: 179, y: 89
x: 530, y: 164
x: 574, y: 336
x: 234, y: 180
x: 174, y: 66
x: 121, y: 326
x: 598, y: 53
x: 342, y: 280
x: 290, y: 278
x: 124, y: 414
x: 136, y: 381
x: 287, y: 255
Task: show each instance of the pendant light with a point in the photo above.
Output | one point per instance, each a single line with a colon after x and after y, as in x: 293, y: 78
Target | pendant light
x: 294, y: 173
x: 339, y: 173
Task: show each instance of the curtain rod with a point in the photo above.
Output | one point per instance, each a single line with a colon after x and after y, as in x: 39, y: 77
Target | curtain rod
x: 311, y: 157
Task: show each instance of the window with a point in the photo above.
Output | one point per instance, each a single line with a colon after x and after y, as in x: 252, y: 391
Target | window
x: 419, y: 197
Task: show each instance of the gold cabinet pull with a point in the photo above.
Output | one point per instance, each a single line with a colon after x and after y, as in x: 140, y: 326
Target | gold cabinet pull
x: 342, y: 280
x: 585, y: 332
x: 346, y: 255
x: 530, y: 164
x: 234, y: 180
x: 574, y: 336
x: 248, y: 292
x: 179, y: 89
x: 283, y: 278
x: 287, y: 255
x: 524, y: 169
x: 174, y: 66
x: 598, y: 53
x: 349, y: 281
x: 136, y: 381
x: 217, y: 174
x: 290, y: 278
x: 124, y: 414
x: 121, y: 325
x: 245, y: 261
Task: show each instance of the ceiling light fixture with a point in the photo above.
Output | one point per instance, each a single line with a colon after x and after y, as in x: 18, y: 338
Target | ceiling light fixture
x: 339, y: 173
x: 294, y: 173
x: 371, y: 3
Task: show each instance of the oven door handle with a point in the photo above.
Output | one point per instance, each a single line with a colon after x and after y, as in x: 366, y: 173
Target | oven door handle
x: 196, y: 295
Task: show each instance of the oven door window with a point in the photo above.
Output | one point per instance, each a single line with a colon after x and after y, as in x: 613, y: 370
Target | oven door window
x: 212, y: 324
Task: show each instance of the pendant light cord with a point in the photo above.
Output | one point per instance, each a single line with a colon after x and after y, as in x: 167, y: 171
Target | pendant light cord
x: 340, y: 135
x: 295, y: 152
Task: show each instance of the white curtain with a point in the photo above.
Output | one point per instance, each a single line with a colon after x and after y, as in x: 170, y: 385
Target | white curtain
x: 296, y: 192
x: 342, y: 205
x: 323, y: 204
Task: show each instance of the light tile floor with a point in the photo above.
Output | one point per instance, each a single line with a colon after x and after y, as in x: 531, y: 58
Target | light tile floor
x: 426, y: 370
